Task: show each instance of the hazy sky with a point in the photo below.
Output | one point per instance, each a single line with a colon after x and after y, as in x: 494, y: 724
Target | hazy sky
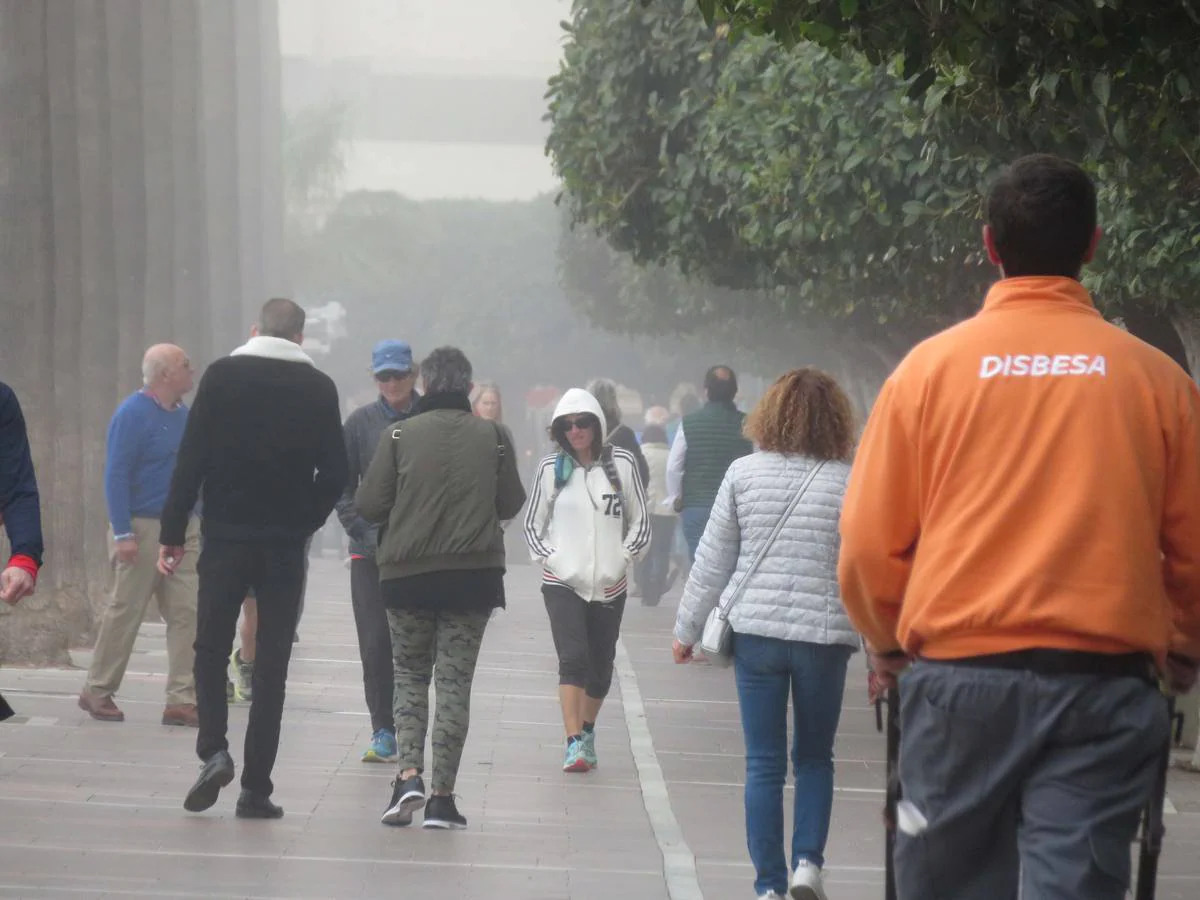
x: 468, y: 37
x: 519, y: 37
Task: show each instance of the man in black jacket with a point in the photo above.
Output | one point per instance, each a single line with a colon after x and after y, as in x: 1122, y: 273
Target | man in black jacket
x: 264, y: 420
x: 393, y: 371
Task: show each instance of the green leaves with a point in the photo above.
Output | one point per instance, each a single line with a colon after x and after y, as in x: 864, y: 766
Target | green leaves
x: 843, y: 171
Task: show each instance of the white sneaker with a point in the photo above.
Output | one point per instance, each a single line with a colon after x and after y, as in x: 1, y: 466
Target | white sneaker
x: 806, y: 882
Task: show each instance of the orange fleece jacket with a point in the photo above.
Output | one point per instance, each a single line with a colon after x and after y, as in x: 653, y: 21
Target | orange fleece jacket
x: 1028, y: 478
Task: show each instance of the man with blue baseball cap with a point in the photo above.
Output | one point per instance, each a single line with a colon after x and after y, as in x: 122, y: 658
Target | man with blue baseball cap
x: 395, y: 375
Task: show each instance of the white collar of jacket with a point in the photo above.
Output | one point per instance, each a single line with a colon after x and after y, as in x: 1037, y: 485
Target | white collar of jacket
x: 273, y: 348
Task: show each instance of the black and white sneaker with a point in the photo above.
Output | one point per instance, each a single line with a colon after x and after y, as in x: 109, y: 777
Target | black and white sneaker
x: 443, y: 813
x: 407, y: 797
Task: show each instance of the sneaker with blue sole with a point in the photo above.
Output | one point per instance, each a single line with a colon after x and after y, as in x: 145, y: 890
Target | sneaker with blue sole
x: 382, y: 749
x: 589, y: 748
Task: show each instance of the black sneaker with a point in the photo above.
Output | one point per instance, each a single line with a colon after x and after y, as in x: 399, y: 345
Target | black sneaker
x: 255, y: 806
x: 442, y: 813
x: 407, y: 797
x: 214, y: 775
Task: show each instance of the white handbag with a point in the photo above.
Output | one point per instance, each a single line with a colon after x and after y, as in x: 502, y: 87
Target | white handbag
x: 716, y: 641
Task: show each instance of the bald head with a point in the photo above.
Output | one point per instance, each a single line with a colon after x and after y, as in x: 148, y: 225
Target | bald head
x: 167, y: 371
x: 158, y: 362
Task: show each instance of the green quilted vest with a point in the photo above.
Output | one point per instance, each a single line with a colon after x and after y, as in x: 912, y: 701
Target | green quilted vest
x: 714, y: 440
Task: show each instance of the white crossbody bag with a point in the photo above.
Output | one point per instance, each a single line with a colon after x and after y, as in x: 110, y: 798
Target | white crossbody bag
x: 716, y: 642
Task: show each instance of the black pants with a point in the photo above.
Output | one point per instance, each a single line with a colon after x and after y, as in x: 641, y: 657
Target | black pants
x: 374, y: 642
x: 585, y: 638
x: 227, y: 569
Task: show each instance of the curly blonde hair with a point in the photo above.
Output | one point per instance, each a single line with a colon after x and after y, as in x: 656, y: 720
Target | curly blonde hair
x: 804, y: 412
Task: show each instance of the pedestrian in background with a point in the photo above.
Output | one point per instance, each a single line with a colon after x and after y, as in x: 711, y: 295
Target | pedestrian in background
x: 395, y: 377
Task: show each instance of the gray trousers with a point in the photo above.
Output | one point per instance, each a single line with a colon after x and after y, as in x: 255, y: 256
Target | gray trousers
x: 1022, y: 781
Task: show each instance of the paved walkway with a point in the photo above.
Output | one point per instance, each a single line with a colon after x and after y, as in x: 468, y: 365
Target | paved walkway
x: 93, y: 809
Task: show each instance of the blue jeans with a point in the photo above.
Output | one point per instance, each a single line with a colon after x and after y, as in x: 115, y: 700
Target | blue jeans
x: 767, y: 668
x: 694, y: 520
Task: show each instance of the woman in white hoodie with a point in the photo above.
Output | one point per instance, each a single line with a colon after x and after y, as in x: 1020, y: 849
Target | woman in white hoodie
x: 586, y: 522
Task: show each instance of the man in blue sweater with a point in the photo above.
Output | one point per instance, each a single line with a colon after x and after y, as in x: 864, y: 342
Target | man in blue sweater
x: 143, y: 440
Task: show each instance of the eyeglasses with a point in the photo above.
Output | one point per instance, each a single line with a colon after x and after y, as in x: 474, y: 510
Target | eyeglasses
x: 385, y: 377
x: 583, y: 423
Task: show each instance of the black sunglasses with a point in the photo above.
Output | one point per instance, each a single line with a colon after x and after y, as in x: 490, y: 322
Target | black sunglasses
x: 583, y: 423
x: 384, y: 377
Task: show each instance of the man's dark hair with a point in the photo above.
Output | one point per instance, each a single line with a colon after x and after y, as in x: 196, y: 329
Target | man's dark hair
x: 720, y: 384
x: 1042, y: 212
x: 688, y: 404
x: 281, y: 318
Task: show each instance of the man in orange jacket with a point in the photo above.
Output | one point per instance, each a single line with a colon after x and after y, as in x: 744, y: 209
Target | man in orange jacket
x: 1023, y: 523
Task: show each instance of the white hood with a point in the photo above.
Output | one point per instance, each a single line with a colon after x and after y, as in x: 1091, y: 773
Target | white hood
x: 577, y: 402
x: 273, y: 348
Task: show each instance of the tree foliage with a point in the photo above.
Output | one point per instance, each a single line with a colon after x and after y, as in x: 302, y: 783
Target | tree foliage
x: 1112, y: 83
x: 839, y: 173
x: 806, y: 176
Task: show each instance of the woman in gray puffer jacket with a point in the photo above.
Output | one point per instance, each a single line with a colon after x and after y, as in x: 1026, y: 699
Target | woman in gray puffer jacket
x: 790, y: 630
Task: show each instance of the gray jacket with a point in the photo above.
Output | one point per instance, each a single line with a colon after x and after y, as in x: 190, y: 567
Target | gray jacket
x: 362, y: 431
x: 794, y: 594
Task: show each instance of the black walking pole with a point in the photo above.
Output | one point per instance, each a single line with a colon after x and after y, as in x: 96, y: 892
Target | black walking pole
x: 893, y: 792
x: 1153, y: 828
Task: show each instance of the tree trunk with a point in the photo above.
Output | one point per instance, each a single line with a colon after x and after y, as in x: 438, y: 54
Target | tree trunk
x: 218, y: 111
x: 1187, y: 324
x: 270, y: 121
x: 31, y: 631
x: 158, y: 170
x: 127, y: 176
x: 99, y: 346
x: 190, y: 262
x: 247, y: 37
x: 119, y: 168
x: 66, y: 512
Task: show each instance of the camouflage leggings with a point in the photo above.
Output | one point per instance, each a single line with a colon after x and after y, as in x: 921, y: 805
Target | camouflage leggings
x: 444, y: 646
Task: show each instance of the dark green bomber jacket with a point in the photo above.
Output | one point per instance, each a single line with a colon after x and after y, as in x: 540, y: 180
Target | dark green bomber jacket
x: 441, y: 483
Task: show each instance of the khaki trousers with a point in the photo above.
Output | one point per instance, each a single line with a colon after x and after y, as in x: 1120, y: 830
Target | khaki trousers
x: 135, y: 583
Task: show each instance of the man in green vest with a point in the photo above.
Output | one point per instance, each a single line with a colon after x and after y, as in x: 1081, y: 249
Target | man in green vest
x: 707, y: 441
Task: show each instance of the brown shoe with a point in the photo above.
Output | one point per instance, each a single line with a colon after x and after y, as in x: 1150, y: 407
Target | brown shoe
x: 100, y: 708
x: 182, y: 714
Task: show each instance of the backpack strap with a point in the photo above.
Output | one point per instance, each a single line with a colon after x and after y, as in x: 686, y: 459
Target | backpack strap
x: 608, y: 462
x: 564, y: 466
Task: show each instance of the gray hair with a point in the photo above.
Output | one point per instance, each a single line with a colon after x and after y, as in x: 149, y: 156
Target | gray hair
x: 446, y: 371
x: 605, y: 392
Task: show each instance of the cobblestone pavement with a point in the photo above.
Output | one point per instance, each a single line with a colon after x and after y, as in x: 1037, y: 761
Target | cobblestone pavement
x: 92, y: 809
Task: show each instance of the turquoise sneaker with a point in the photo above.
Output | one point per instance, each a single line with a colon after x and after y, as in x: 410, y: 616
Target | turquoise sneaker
x: 574, y: 761
x: 382, y: 749
x: 589, y: 748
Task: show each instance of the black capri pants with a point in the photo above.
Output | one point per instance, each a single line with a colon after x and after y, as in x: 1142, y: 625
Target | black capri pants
x: 585, y: 638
